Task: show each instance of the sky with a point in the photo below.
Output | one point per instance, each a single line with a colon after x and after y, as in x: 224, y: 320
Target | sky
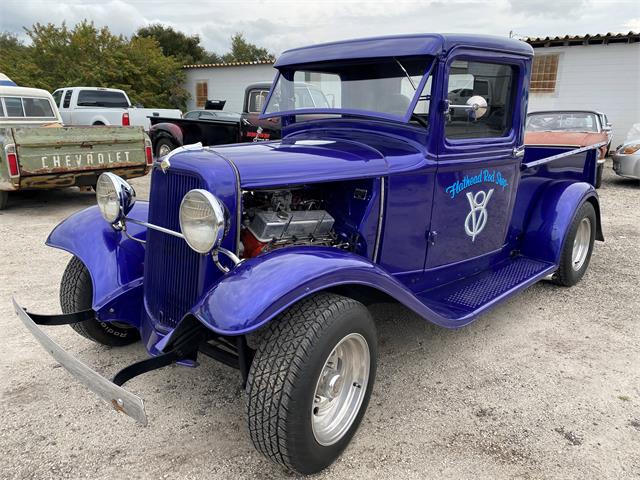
x: 279, y: 24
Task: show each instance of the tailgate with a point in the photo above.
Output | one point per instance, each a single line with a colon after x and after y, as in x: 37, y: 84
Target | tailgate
x: 43, y: 151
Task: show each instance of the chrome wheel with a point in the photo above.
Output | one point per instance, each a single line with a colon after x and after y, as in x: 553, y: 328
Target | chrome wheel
x: 340, y: 389
x: 163, y: 150
x: 581, y: 244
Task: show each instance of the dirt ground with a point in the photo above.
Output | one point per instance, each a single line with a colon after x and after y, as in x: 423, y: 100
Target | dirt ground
x: 545, y: 386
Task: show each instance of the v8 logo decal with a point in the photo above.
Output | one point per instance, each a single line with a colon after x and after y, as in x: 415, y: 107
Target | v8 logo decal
x: 477, y: 218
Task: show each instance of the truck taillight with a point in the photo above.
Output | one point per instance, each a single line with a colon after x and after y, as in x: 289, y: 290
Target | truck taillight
x: 12, y: 160
x: 125, y: 119
x: 147, y: 151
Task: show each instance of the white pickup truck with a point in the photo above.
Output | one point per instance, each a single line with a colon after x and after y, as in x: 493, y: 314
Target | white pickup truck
x: 104, y: 106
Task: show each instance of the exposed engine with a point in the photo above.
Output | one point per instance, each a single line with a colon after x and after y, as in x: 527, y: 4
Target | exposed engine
x: 279, y: 218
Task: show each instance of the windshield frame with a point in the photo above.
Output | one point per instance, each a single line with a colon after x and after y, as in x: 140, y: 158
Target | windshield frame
x: 353, y: 111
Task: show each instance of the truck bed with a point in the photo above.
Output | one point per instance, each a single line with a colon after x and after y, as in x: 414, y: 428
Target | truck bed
x: 208, y: 132
x: 50, y: 157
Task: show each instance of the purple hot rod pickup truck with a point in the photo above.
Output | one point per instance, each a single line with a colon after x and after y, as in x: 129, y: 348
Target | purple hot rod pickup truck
x: 264, y: 256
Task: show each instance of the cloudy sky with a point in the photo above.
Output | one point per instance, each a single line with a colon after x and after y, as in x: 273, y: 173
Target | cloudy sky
x: 278, y: 24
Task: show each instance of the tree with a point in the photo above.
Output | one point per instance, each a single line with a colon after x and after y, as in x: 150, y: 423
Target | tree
x: 243, y: 51
x: 85, y: 55
x: 186, y: 49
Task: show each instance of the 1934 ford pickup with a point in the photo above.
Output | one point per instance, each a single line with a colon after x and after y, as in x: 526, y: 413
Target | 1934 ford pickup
x: 264, y: 256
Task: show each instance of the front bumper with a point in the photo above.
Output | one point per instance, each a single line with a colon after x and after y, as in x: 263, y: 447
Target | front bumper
x: 121, y: 400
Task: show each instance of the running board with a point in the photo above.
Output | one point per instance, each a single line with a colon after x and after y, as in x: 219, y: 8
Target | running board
x: 464, y: 299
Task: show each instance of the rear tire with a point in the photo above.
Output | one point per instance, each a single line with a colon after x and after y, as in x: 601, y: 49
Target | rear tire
x: 4, y: 199
x: 163, y: 146
x: 578, y: 246
x: 76, y: 294
x: 320, y: 351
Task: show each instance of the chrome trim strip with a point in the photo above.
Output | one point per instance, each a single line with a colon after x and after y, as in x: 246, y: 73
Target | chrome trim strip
x: 238, y: 200
x: 376, y: 248
x: 121, y: 400
x: 155, y: 227
x: 542, y: 161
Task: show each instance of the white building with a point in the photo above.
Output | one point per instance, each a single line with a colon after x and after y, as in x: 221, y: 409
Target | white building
x: 599, y: 72
x: 224, y: 81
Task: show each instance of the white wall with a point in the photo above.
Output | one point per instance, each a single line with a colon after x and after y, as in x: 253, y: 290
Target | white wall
x: 227, y: 83
x: 605, y: 78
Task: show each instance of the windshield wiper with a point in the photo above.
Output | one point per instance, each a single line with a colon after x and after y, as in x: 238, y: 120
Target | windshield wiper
x: 415, y: 88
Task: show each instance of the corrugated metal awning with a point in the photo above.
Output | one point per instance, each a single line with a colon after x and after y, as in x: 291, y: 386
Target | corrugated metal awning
x: 587, y: 39
x: 230, y: 64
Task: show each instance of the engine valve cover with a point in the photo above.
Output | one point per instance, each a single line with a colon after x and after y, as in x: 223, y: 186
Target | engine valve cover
x: 267, y: 226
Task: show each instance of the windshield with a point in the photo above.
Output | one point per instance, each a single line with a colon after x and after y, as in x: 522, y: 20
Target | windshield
x: 381, y: 87
x: 564, y: 121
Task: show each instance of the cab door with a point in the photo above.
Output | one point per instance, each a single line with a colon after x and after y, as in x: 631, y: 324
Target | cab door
x: 478, y: 160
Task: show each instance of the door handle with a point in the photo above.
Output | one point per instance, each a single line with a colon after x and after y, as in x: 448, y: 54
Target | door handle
x: 518, y: 152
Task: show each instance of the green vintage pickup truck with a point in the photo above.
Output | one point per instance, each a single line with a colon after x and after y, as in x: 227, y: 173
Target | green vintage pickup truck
x: 37, y: 152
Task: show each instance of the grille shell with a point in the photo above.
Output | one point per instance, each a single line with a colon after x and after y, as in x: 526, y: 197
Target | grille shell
x: 172, y: 269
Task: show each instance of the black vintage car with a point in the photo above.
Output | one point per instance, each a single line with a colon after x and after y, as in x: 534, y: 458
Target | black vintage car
x: 216, y: 127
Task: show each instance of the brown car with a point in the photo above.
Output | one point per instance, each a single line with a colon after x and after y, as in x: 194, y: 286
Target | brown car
x: 575, y: 128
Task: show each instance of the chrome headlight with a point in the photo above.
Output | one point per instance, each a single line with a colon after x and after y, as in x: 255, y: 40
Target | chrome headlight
x: 115, y: 197
x: 202, y: 220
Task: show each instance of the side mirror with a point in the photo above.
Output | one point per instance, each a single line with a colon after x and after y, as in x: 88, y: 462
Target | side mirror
x: 477, y: 105
x: 606, y: 128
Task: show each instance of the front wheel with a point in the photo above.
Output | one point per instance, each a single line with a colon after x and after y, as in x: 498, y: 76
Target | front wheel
x: 310, y: 382
x: 578, y: 246
x: 76, y: 294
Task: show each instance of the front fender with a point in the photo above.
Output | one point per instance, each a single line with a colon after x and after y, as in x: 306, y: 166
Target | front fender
x: 551, y: 218
x: 260, y: 288
x: 114, y: 261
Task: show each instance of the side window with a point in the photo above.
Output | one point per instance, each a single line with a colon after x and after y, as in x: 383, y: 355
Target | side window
x: 1, y: 108
x: 491, y: 81
x: 256, y: 100
x: 67, y: 99
x: 14, y: 106
x: 57, y: 96
x: 38, y: 107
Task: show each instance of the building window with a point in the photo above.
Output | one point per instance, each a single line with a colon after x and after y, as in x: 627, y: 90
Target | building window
x: 544, y: 73
x: 202, y: 93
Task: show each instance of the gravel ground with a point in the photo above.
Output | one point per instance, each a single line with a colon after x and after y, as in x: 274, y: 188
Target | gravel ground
x: 545, y: 386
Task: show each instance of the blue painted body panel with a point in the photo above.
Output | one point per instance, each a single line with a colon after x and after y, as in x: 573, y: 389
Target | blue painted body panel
x: 398, y: 46
x: 116, y: 263
x: 426, y: 260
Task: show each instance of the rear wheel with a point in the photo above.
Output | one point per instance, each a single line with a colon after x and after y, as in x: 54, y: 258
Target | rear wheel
x: 578, y: 246
x: 310, y: 382
x: 4, y: 198
x: 163, y: 146
x: 76, y: 294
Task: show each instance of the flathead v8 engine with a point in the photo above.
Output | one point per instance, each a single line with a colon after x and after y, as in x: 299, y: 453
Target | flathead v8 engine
x: 278, y: 218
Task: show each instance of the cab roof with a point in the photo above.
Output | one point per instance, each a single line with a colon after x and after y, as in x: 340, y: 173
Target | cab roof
x: 398, y: 46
